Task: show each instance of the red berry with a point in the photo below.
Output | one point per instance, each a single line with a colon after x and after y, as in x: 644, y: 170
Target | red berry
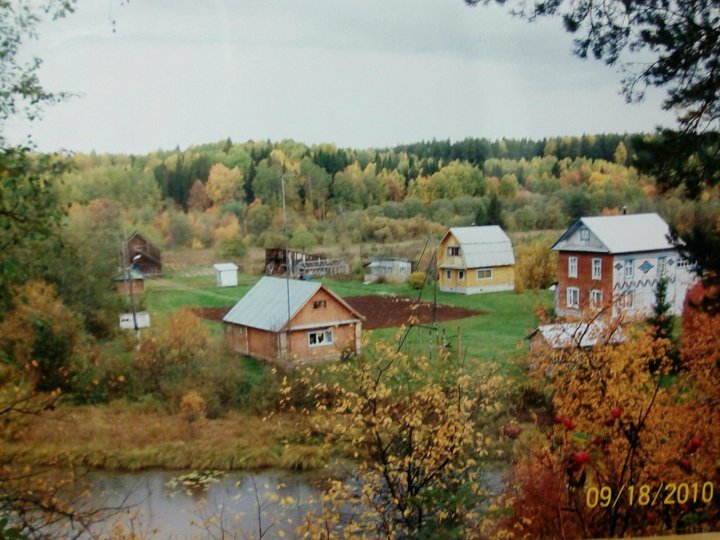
x: 568, y: 423
x: 651, y: 516
x: 616, y: 412
x: 684, y: 506
x: 511, y: 431
x: 559, y: 418
x: 581, y: 457
x: 686, y: 465
x: 694, y: 444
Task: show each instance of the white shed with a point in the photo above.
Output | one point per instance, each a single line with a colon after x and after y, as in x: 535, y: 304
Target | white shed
x: 226, y: 274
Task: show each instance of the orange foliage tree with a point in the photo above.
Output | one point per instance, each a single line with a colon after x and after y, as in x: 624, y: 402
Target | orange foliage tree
x: 628, y: 452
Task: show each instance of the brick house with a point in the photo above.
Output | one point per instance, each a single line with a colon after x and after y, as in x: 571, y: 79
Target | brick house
x: 291, y: 321
x: 618, y: 259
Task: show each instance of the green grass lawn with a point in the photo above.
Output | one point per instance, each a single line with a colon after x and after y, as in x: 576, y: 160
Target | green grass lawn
x: 493, y: 338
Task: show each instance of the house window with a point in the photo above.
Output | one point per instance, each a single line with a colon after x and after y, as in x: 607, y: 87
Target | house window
x: 661, y: 266
x: 629, y: 268
x: 683, y: 263
x: 461, y: 275
x: 572, y: 266
x: 573, y: 297
x: 597, y: 268
x: 317, y: 304
x: 448, y: 274
x: 484, y: 273
x: 596, y: 298
x: 584, y: 235
x: 629, y: 299
x: 454, y: 251
x: 320, y: 337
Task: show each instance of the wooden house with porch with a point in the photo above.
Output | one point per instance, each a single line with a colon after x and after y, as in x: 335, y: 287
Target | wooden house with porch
x: 291, y: 321
x: 144, y: 255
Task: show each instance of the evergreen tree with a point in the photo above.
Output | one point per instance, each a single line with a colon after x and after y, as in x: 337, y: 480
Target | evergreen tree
x: 662, y: 320
x: 494, y: 212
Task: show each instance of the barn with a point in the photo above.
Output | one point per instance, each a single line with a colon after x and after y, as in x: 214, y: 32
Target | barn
x: 144, y: 255
x: 291, y: 321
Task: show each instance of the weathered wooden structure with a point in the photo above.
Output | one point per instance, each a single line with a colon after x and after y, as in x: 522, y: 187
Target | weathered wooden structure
x: 130, y: 282
x: 390, y: 269
x: 144, y: 255
x: 290, y: 322
x: 277, y: 261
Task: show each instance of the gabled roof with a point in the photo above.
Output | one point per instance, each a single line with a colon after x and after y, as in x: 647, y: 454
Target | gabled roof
x: 624, y: 233
x: 265, y: 306
x: 483, y: 246
x: 221, y: 267
x: 562, y: 336
x: 135, y: 274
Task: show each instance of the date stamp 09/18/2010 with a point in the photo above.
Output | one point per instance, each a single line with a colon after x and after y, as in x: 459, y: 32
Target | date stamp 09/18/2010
x: 645, y: 495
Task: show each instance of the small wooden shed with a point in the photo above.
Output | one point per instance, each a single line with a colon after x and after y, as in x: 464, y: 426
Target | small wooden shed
x: 132, y: 281
x: 291, y: 321
x: 390, y: 269
x: 226, y: 274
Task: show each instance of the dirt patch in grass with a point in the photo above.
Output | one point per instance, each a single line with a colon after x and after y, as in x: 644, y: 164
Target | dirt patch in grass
x: 379, y: 311
x: 391, y: 311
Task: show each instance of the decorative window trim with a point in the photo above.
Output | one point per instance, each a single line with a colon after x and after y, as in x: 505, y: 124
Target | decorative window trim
x: 661, y: 266
x: 584, y: 234
x: 453, y: 251
x: 572, y: 267
x: 484, y: 273
x: 320, y: 338
x: 596, y: 297
x: 596, y: 265
x: 318, y: 304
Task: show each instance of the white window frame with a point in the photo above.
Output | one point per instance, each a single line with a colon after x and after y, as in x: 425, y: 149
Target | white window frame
x: 662, y: 266
x: 596, y: 297
x: 572, y: 267
x: 683, y: 263
x: 450, y: 251
x: 569, y: 294
x: 321, y: 338
x: 585, y: 234
x: 484, y: 270
x: 629, y: 268
x: 597, y: 268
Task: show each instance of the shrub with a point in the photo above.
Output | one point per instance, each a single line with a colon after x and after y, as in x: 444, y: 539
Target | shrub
x: 417, y: 279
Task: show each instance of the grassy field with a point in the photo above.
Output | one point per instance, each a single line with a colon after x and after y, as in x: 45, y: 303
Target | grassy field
x: 493, y: 338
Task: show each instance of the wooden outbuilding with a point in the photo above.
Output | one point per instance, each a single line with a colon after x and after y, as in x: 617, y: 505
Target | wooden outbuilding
x: 131, y: 281
x: 389, y: 269
x: 474, y: 259
x: 291, y: 321
x: 144, y: 255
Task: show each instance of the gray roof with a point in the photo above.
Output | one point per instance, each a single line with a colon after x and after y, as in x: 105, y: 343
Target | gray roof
x: 624, y: 233
x: 265, y: 306
x: 225, y: 266
x: 484, y: 246
x: 561, y: 336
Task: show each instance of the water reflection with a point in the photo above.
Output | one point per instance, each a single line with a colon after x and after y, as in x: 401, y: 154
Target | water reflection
x: 161, y: 505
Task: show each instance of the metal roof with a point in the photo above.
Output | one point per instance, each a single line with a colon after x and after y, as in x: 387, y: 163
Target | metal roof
x: 624, y: 233
x: 225, y: 266
x: 484, y: 246
x: 135, y: 274
x: 265, y: 306
x: 562, y: 336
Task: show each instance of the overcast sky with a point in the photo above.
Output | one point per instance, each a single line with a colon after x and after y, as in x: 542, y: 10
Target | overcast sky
x: 357, y: 73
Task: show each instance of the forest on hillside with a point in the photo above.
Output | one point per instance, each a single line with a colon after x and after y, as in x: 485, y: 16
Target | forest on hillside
x: 228, y: 195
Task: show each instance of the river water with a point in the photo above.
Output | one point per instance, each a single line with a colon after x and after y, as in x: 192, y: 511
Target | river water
x: 170, y: 505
